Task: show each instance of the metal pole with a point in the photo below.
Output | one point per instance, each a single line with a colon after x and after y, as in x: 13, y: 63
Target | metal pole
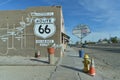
x: 81, y: 37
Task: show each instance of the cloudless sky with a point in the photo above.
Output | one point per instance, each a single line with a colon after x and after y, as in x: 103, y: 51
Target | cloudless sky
x: 102, y: 16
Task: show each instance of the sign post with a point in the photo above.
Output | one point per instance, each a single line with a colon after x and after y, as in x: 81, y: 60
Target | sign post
x: 81, y: 31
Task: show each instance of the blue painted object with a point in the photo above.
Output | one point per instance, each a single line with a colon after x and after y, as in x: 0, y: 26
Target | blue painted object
x: 81, y: 53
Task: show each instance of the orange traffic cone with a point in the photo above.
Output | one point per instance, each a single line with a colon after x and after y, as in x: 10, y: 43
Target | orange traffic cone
x: 92, y: 68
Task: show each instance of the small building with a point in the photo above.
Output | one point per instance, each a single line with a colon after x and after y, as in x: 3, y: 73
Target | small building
x: 24, y: 32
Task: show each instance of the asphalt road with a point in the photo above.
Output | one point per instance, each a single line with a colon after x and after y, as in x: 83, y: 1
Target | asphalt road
x: 113, y: 49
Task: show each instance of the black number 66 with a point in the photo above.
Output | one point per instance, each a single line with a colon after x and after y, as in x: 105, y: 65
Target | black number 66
x: 44, y: 30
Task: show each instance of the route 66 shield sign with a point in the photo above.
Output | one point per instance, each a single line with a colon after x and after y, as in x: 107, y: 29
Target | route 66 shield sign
x: 44, y: 27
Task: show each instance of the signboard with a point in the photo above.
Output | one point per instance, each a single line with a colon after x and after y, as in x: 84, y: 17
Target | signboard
x: 44, y: 27
x: 44, y: 42
x: 81, y: 31
x: 42, y: 14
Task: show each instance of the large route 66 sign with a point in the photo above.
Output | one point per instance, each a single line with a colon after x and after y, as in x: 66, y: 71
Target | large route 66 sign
x: 44, y: 27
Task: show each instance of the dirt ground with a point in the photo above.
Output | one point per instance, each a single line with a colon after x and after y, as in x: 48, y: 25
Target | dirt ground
x: 107, y: 63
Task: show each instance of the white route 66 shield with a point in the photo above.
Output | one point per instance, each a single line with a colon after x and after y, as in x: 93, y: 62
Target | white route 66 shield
x: 44, y: 27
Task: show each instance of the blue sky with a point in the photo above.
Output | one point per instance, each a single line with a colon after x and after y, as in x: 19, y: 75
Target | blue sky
x: 102, y: 16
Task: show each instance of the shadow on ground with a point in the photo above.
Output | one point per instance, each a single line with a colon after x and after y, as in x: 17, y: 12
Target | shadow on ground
x: 39, y: 61
x: 75, y: 69
x: 72, y: 68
